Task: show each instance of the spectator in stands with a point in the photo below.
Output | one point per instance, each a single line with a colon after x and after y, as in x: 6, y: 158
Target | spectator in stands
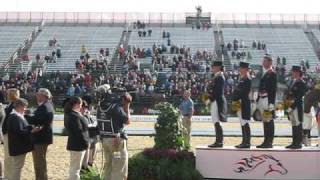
x: 139, y: 33
x: 77, y: 90
x: 249, y: 56
x: 54, y: 41
x: 164, y: 34
x: 38, y: 57
x: 233, y: 54
x: 278, y: 60
x: 107, y: 52
x: 70, y: 91
x: 101, y: 51
x: 121, y: 51
x: 59, y: 53
x: 83, y: 50
x: 254, y: 44
x: 229, y: 46
x: 284, y: 61
x: 168, y: 35
x: 144, y: 33
x: 307, y: 65
x: 149, y: 32
x: 88, y: 80
x: 241, y: 43
x: 235, y: 46
x: 259, y: 45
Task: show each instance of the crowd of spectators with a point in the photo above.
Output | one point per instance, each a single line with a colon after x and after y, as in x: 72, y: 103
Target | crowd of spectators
x: 174, y: 69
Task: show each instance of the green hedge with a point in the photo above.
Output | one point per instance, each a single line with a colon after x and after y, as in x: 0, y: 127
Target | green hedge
x: 145, y: 167
x: 169, y: 159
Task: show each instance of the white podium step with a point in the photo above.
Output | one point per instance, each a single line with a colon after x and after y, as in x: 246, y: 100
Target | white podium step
x: 256, y: 164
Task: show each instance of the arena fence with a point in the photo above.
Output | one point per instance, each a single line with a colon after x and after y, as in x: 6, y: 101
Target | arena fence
x: 156, y: 18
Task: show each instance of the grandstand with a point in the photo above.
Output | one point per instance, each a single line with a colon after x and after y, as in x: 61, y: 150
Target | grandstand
x: 71, y: 39
x: 11, y: 37
x: 281, y: 38
x: 291, y: 43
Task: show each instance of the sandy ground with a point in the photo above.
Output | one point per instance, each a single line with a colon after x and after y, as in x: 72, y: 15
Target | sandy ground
x: 58, y: 156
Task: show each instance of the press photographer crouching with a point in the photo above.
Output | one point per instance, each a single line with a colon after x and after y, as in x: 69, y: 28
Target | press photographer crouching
x: 112, y: 116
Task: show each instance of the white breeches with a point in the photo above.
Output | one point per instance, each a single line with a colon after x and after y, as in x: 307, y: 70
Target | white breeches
x: 294, y: 118
x: 263, y: 105
x: 214, y: 112
x: 308, y: 119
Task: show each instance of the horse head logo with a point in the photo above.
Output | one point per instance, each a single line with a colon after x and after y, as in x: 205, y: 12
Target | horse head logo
x: 271, y: 164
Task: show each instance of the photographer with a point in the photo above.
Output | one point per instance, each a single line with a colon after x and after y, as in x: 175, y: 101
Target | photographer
x: 112, y: 115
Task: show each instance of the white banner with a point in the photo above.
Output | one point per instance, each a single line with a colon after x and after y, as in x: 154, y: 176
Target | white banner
x: 277, y: 163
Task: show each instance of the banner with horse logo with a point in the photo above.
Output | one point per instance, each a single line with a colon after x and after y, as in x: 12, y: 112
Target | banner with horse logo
x: 277, y: 163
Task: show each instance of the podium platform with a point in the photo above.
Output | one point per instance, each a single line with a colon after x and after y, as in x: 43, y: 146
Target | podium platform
x: 255, y: 164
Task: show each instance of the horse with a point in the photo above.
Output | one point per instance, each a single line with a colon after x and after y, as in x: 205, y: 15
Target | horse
x: 271, y: 164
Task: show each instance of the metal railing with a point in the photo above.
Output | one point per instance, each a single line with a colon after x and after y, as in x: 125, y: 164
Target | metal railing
x: 158, y: 18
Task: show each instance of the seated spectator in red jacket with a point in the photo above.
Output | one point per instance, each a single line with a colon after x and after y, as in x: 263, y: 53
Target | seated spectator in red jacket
x: 87, y: 80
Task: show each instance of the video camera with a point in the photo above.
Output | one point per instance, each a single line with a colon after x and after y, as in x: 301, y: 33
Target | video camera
x: 106, y: 94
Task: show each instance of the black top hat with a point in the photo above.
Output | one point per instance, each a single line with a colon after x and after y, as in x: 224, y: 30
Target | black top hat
x: 244, y: 64
x: 217, y: 63
x: 296, y: 68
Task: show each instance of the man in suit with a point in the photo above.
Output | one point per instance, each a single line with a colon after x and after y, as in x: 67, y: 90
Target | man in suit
x: 266, y: 101
x: 19, y: 138
x: 218, y: 102
x: 241, y: 94
x: 297, y: 90
x: 43, y: 116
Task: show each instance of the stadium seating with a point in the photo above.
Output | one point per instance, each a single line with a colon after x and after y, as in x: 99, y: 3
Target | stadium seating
x: 71, y: 38
x: 195, y: 39
x: 11, y: 37
x: 291, y: 43
x: 180, y: 36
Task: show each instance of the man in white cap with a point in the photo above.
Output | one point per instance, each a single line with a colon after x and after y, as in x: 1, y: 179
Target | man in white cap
x: 43, y: 117
x: 112, y: 116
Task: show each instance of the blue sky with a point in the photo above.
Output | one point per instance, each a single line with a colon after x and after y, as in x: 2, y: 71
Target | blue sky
x: 218, y: 6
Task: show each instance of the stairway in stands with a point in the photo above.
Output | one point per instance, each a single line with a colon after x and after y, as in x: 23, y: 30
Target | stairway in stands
x: 17, y: 63
x: 221, y: 50
x: 314, y: 41
x: 116, y: 65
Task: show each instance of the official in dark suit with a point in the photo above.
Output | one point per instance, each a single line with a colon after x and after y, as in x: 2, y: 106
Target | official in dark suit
x: 78, y: 135
x: 241, y: 94
x: 12, y: 95
x: 218, y: 102
x: 43, y: 116
x: 19, y: 138
x: 297, y: 90
x: 266, y: 101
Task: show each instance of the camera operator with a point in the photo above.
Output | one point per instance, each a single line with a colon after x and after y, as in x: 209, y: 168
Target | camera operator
x: 112, y: 115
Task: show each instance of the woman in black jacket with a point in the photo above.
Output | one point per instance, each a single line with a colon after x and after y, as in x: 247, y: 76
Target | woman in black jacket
x: 78, y: 135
